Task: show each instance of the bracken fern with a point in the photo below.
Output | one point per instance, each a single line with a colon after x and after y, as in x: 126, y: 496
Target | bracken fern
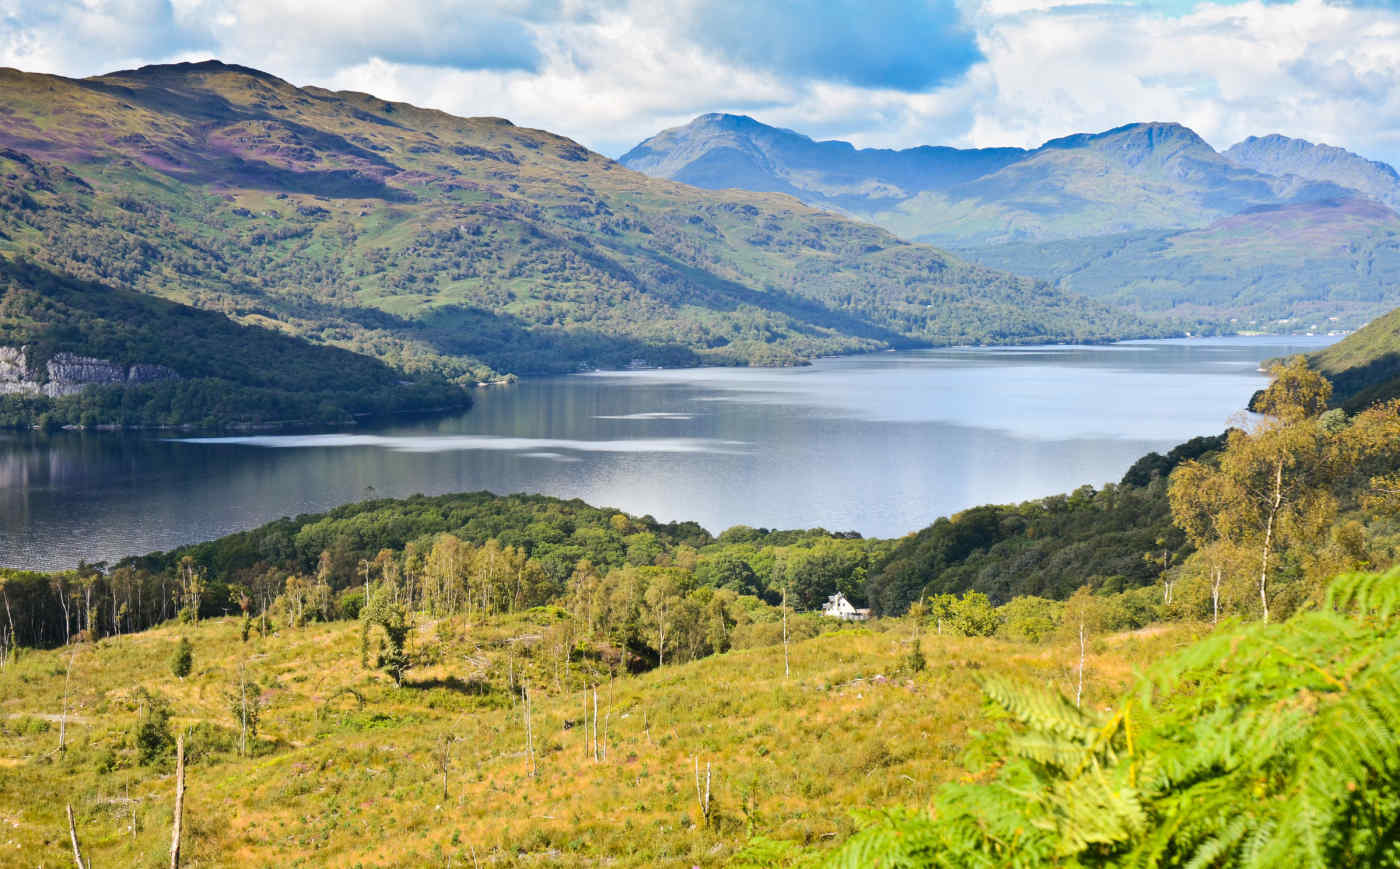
x: 1259, y: 746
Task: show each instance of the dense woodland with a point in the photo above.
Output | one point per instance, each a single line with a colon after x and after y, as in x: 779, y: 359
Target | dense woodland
x: 229, y: 374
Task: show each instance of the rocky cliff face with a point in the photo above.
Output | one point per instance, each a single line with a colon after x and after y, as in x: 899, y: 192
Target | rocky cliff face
x: 69, y: 373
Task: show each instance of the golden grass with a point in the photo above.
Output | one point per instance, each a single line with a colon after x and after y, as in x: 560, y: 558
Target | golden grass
x: 337, y: 785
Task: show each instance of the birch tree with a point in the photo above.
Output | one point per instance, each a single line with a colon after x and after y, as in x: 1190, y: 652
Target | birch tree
x: 1273, y: 486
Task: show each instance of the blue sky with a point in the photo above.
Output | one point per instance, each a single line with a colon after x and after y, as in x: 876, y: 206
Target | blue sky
x: 877, y: 72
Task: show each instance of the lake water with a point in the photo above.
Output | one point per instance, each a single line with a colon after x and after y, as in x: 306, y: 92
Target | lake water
x: 880, y: 444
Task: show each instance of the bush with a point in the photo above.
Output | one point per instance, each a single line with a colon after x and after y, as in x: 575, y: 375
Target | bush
x: 183, y: 660
x: 154, y: 741
x: 973, y: 616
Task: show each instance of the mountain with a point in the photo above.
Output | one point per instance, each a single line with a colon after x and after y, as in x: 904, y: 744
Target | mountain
x: 1280, y: 155
x: 1146, y: 215
x: 720, y: 151
x: 1135, y: 177
x: 461, y: 245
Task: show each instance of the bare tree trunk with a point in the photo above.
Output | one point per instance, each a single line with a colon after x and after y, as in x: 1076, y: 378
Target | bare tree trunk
x: 1079, y: 694
x: 179, y: 801
x: 529, y: 729
x: 787, y: 671
x: 73, y: 837
x: 63, y: 719
x: 444, y: 761
x: 595, y: 723
x: 10, y: 616
x: 1215, y: 594
x: 607, y: 719
x: 703, y: 798
x: 1269, y: 538
x: 243, y: 710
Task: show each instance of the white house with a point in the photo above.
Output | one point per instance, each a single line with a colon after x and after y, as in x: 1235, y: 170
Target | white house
x: 839, y: 608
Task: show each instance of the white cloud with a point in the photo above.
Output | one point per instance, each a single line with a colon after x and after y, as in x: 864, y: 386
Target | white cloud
x: 1309, y: 69
x: 611, y: 74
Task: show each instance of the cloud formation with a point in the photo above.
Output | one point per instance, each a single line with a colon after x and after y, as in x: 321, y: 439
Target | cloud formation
x: 879, y: 73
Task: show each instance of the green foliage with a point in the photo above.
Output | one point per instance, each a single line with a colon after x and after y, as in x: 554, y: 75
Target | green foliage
x: 1043, y: 548
x: 152, y: 737
x: 1030, y: 619
x: 974, y: 616
x: 914, y: 661
x: 182, y: 659
x: 386, y: 612
x: 1262, y: 745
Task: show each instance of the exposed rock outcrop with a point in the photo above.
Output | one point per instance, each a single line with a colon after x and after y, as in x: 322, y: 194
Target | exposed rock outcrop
x: 69, y: 373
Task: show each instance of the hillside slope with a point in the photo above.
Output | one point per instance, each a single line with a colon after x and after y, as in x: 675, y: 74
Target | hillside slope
x: 348, y: 769
x: 81, y: 353
x: 1364, y: 367
x: 1315, y: 266
x: 461, y: 244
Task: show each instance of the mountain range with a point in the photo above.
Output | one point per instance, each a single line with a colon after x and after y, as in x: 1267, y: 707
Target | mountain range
x: 1274, y: 233
x: 462, y: 247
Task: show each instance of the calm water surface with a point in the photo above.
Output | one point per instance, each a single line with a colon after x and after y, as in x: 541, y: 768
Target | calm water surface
x: 880, y: 444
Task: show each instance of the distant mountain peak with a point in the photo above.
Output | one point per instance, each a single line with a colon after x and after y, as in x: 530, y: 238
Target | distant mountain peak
x: 1277, y: 154
x: 168, y: 70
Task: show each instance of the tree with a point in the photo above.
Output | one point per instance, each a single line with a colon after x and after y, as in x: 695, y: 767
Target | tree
x: 182, y: 661
x: 940, y: 609
x: 192, y: 586
x: 1272, y: 487
x: 384, y: 610
x: 1084, y: 616
x: 1030, y: 619
x: 664, y: 595
x: 246, y: 703
x: 973, y: 615
x: 152, y: 737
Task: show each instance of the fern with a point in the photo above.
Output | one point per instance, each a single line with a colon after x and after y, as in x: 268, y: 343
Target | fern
x: 1260, y: 746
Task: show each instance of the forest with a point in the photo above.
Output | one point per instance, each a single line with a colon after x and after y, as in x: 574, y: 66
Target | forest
x: 228, y: 374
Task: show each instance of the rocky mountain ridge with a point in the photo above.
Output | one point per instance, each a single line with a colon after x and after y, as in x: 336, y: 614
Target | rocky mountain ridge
x: 1146, y: 215
x: 69, y: 374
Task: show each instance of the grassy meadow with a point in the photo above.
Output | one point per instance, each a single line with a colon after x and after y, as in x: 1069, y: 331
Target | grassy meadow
x: 348, y: 769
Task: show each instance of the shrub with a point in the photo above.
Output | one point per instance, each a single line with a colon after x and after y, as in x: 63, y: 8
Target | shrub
x: 183, y: 660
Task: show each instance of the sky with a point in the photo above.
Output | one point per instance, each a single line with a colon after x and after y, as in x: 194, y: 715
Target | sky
x: 877, y: 73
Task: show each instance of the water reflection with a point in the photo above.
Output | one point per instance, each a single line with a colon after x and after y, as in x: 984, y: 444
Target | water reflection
x: 882, y: 444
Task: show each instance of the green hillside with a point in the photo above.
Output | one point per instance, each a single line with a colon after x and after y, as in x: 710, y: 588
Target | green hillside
x: 1321, y: 266
x: 1364, y: 367
x: 462, y: 245
x: 225, y: 373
